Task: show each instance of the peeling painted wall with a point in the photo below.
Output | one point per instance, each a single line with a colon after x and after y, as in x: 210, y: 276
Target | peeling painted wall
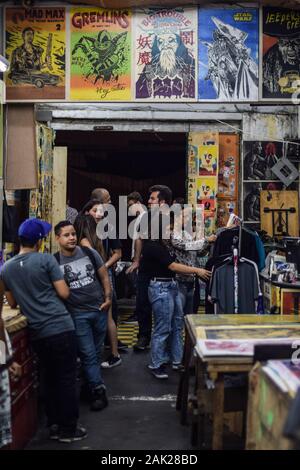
x: 270, y: 126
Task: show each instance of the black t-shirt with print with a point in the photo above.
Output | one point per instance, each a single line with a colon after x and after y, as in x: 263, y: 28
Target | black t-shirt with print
x: 156, y: 259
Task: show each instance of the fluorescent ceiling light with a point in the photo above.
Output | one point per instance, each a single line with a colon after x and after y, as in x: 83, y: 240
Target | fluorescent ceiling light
x: 4, y: 64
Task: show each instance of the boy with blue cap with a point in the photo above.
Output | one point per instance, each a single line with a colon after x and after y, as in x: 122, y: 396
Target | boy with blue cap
x: 34, y: 281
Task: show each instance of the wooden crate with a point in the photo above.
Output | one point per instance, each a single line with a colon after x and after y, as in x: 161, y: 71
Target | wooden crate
x: 267, y: 413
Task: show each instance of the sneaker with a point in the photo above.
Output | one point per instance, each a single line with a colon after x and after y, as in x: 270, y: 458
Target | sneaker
x: 160, y: 373
x: 122, y: 346
x: 79, y: 434
x: 142, y: 344
x: 54, y: 432
x: 131, y: 320
x: 111, y: 361
x: 98, y: 399
x: 177, y: 366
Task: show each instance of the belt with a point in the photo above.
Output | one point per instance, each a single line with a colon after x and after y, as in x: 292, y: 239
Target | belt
x: 162, y: 279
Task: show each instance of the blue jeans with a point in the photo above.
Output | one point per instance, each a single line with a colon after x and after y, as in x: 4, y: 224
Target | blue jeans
x: 168, y: 322
x: 90, y: 331
x: 186, y: 293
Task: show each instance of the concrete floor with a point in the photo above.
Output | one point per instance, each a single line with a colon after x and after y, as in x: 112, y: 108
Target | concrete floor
x: 141, y: 414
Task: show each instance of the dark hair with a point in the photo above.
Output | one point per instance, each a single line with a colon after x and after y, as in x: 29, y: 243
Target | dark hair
x: 27, y: 243
x: 25, y: 31
x: 88, y: 206
x: 135, y: 196
x: 85, y: 227
x: 180, y: 201
x: 164, y: 193
x: 60, y: 225
x: 97, y: 193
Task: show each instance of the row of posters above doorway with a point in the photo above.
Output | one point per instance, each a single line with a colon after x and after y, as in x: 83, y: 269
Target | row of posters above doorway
x: 154, y: 54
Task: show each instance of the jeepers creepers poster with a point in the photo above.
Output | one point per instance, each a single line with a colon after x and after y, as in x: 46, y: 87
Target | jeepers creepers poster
x: 228, y: 54
x: 35, y: 47
x: 100, y: 54
x: 165, y: 50
x: 281, y: 53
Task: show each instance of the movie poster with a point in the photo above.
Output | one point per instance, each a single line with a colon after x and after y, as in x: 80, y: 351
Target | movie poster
x: 100, y: 54
x: 259, y: 158
x: 228, y: 54
x: 165, y: 51
x: 281, y: 53
x: 228, y: 166
x: 36, y: 49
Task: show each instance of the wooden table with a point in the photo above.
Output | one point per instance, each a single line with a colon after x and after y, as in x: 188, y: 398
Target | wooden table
x: 216, y: 367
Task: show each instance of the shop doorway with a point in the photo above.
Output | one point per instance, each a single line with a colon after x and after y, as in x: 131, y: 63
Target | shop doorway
x: 123, y: 162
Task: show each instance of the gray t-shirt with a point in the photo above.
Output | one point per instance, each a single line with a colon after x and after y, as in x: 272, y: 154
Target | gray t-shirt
x: 30, y: 278
x: 79, y: 273
x: 223, y: 288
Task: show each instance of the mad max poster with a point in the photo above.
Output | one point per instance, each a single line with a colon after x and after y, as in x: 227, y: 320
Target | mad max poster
x: 165, y: 51
x: 35, y: 47
x: 100, y: 54
x: 228, y: 54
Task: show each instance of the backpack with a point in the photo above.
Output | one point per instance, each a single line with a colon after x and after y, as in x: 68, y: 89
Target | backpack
x: 88, y: 252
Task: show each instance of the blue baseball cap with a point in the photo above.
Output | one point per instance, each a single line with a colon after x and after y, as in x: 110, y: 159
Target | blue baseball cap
x: 34, y: 229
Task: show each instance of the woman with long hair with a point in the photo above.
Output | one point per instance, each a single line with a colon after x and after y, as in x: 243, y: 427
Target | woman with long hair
x: 85, y: 226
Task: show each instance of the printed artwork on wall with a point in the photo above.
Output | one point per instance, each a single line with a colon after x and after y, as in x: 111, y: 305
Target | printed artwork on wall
x: 225, y: 208
x: 40, y: 202
x: 252, y: 198
x: 259, y: 158
x: 165, y: 52
x: 228, y: 166
x: 100, y: 54
x: 281, y: 53
x: 228, y: 54
x: 36, y: 48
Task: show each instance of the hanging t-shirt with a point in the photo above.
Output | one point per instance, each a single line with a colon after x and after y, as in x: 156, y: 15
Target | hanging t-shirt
x: 222, y: 291
x: 79, y: 273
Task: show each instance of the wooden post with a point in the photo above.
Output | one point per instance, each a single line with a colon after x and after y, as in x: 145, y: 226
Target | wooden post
x: 59, y: 189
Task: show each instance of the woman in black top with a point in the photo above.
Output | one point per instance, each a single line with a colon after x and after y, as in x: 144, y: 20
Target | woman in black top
x: 164, y: 297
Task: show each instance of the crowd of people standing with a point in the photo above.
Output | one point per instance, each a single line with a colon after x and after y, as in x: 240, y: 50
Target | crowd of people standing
x: 70, y: 301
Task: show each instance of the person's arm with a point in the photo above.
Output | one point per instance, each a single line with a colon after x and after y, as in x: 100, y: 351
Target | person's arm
x: 138, y: 245
x: 105, y: 281
x: 62, y: 289
x: 183, y: 269
x: 116, y: 255
x: 10, y: 299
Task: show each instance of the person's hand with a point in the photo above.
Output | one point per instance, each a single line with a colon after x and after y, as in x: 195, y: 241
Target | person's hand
x: 212, y: 238
x: 203, y: 273
x: 105, y: 306
x: 15, y: 371
x: 134, y: 266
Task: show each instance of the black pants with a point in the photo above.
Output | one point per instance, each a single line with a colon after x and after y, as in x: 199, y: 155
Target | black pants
x: 57, y: 355
x: 143, y: 306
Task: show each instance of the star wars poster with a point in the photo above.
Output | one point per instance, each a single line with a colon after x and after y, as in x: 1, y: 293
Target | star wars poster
x: 228, y: 54
x: 165, y: 51
x: 35, y: 47
x: 259, y: 158
x: 100, y: 54
x: 281, y: 53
